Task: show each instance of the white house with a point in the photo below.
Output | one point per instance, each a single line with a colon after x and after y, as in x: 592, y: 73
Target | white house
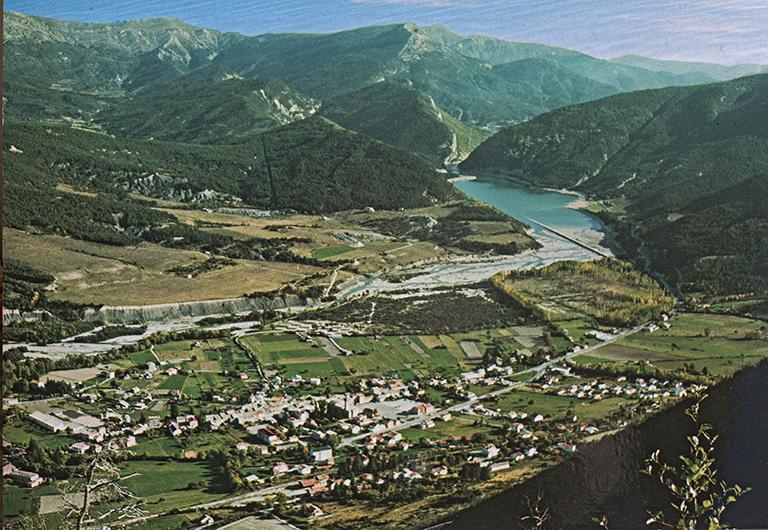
x: 322, y: 454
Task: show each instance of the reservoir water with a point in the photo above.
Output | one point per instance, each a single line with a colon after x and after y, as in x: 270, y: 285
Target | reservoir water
x: 524, y: 203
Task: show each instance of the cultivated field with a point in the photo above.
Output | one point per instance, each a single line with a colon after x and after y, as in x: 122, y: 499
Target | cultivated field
x: 102, y: 274
x: 329, y: 238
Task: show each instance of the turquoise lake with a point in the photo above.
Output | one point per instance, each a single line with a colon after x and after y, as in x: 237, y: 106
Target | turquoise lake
x: 548, y: 207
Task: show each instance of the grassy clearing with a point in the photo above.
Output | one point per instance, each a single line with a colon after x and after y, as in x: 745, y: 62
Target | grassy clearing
x: 457, y: 426
x: 166, y: 485
x: 142, y: 357
x: 21, y: 434
x: 556, y: 407
x: 329, y: 252
x: 16, y: 501
x: 174, y: 382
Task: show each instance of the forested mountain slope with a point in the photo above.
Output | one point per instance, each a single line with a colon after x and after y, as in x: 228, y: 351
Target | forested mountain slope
x: 207, y: 106
x: 407, y: 118
x: 312, y: 166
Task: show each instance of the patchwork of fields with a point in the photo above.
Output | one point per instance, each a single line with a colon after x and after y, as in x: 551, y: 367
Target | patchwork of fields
x: 408, y: 356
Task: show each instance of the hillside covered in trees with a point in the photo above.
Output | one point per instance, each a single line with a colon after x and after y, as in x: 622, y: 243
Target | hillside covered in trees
x: 402, y: 116
x: 310, y: 166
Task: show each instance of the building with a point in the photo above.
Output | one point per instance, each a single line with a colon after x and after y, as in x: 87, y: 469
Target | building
x: 47, y: 421
x: 439, y: 471
x: 79, y: 448
x: 322, y: 454
x: 268, y: 436
x: 499, y: 466
x: 422, y: 409
x: 489, y: 452
x: 279, y: 468
x: 27, y: 479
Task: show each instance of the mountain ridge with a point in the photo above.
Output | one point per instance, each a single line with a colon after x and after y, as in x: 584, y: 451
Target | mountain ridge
x: 469, y: 77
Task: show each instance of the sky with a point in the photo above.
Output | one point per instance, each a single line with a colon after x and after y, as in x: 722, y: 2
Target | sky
x: 720, y: 31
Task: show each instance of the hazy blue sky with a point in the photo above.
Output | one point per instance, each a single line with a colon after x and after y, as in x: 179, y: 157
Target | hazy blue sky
x: 725, y: 31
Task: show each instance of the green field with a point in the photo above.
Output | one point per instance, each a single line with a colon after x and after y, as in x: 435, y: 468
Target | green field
x: 407, y: 356
x: 329, y: 252
x: 142, y: 357
x: 164, y: 485
x: 16, y: 501
x: 21, y: 434
x: 174, y: 382
x: 555, y: 407
x: 198, y: 441
x: 457, y: 426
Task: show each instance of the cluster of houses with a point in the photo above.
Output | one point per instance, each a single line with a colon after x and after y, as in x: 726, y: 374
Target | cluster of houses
x: 662, y: 323
x: 640, y: 388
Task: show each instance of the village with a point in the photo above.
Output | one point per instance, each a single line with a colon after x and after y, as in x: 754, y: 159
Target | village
x: 312, y: 440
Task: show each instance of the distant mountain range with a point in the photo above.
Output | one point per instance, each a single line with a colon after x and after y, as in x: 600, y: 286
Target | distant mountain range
x: 711, y: 71
x: 686, y: 169
x: 75, y: 70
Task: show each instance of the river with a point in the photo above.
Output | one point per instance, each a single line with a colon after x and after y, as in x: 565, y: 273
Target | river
x: 551, y: 208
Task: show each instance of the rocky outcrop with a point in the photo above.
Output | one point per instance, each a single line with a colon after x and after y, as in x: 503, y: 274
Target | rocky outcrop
x: 14, y: 315
x: 166, y: 312
x: 171, y: 188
